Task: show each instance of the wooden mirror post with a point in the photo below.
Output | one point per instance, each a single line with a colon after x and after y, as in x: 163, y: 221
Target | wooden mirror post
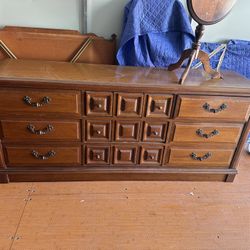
x: 193, y: 54
x: 204, y: 13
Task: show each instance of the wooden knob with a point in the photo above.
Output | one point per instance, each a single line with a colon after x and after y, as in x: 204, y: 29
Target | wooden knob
x: 99, y: 105
x: 155, y: 133
x: 98, y: 157
x: 151, y: 157
x: 98, y: 132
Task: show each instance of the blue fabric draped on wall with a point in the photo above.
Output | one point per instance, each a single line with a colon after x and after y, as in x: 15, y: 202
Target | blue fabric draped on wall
x: 155, y: 33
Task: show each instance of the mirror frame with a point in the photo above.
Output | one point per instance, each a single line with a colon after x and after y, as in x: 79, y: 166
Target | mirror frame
x: 200, y: 21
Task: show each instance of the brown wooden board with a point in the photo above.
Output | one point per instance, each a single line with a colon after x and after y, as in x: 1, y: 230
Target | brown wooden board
x: 56, y: 45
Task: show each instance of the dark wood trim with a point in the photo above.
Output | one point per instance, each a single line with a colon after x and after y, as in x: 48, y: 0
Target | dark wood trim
x: 241, y: 145
x: 115, y: 170
x: 3, y: 176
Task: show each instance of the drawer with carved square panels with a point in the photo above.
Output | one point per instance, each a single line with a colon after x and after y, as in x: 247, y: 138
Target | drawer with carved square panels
x: 125, y: 155
x: 151, y: 155
x: 99, y: 104
x: 129, y: 104
x: 159, y: 106
x: 97, y: 155
x: 155, y: 131
x: 127, y: 130
x: 97, y: 130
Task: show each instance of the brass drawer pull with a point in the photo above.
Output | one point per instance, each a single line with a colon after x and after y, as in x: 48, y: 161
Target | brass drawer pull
x: 49, y: 155
x: 98, y: 157
x: 151, y: 157
x: 203, y: 158
x: 155, y: 133
x: 28, y: 101
x: 208, y: 108
x: 45, y: 131
x: 207, y: 136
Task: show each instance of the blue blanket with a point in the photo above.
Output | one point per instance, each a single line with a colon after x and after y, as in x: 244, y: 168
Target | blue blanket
x: 155, y: 33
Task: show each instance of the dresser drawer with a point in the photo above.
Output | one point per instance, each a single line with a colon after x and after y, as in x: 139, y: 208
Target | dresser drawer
x: 97, y: 155
x: 39, y: 101
x: 41, y: 130
x: 127, y: 131
x: 151, y: 155
x: 129, y: 105
x: 99, y: 103
x: 230, y: 108
x: 43, y: 155
x: 155, y: 131
x: 125, y: 155
x: 98, y: 131
x: 197, y: 157
x: 207, y: 132
x: 159, y: 105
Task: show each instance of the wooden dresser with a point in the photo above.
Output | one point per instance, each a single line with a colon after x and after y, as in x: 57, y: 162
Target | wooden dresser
x: 63, y: 121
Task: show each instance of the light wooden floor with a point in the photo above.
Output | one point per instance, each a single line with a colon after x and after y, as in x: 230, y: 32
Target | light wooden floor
x: 127, y: 215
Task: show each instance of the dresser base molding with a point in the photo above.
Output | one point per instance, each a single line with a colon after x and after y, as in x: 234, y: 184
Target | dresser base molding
x: 101, y: 174
x: 4, y: 178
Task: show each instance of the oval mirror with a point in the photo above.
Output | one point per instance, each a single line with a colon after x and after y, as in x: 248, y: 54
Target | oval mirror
x: 208, y: 12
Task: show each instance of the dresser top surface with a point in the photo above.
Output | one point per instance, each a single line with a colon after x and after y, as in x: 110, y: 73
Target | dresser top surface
x: 78, y: 75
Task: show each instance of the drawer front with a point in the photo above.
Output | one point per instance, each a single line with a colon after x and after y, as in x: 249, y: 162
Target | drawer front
x: 151, y: 155
x: 39, y: 101
x: 41, y: 130
x: 200, y: 132
x: 125, y: 155
x: 155, y: 132
x: 197, y: 157
x: 159, y: 105
x: 98, y: 130
x: 129, y: 105
x: 99, y: 103
x: 127, y: 131
x: 97, y: 155
x: 230, y: 108
x: 43, y: 155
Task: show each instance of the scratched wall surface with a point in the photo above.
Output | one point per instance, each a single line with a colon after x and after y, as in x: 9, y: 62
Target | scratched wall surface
x: 105, y: 17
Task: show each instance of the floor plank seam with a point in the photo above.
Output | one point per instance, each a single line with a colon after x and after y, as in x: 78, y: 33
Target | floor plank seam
x: 27, y: 199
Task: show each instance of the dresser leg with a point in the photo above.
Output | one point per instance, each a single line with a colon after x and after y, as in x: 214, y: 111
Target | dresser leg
x: 4, y: 178
x: 230, y: 178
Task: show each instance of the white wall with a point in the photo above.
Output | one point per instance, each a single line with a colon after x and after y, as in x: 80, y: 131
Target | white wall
x: 235, y: 26
x: 63, y: 14
x: 105, y: 17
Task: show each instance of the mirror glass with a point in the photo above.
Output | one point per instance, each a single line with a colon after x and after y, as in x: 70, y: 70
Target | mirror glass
x: 208, y: 12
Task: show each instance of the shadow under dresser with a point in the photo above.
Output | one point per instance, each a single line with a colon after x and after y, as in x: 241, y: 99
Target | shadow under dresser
x: 62, y: 121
